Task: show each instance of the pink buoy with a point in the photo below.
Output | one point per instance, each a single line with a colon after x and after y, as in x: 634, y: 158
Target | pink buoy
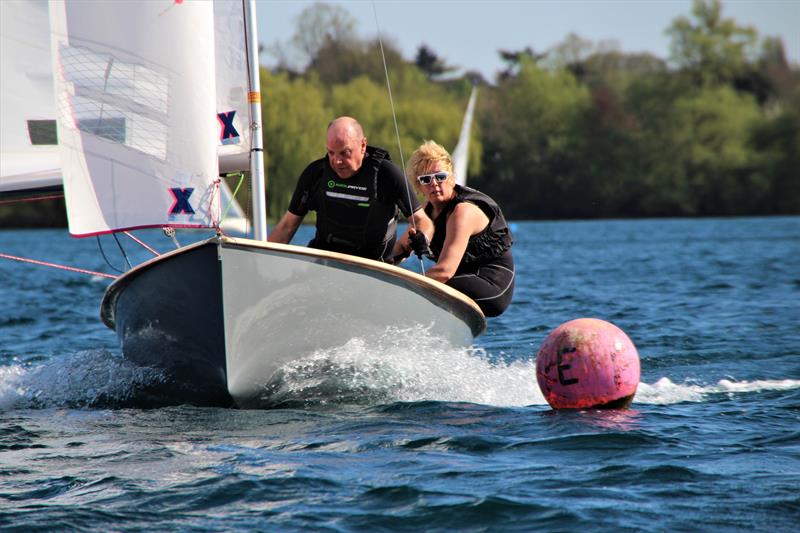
x: 588, y: 363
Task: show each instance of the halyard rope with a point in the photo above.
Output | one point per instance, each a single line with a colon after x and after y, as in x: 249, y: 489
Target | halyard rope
x: 396, y: 128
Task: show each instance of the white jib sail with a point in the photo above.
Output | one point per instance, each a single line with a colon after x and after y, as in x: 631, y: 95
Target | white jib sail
x: 29, y: 157
x: 233, y: 111
x: 135, y: 92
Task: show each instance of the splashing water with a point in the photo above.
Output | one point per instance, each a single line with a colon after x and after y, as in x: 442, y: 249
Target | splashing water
x: 90, y: 378
x: 408, y: 368
x: 394, y: 366
x: 412, y: 366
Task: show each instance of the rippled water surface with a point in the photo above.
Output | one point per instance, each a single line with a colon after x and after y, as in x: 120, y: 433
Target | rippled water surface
x: 406, y: 434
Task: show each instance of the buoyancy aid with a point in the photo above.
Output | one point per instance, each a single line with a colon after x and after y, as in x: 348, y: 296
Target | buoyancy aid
x: 489, y: 244
x: 350, y: 218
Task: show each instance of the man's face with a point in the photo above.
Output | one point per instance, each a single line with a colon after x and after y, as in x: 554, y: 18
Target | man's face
x: 345, y: 153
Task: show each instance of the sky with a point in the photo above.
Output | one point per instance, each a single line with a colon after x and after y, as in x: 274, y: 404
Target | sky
x: 469, y: 33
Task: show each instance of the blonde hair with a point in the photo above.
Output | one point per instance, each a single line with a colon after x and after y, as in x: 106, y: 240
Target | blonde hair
x: 423, y: 159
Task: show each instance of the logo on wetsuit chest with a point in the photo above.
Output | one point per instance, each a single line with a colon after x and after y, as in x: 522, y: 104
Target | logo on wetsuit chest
x: 361, y: 201
x: 333, y: 184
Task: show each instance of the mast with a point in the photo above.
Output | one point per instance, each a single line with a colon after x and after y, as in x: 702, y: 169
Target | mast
x: 257, y: 142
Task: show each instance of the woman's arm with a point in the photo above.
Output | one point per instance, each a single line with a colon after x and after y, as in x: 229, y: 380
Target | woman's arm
x: 465, y: 221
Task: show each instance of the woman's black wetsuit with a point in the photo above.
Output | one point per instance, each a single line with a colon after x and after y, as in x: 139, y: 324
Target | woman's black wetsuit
x: 486, y: 272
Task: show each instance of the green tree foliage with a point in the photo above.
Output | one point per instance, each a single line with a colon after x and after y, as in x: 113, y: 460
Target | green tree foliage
x: 294, y: 116
x: 529, y: 129
x: 713, y: 49
x: 320, y: 24
x: 716, y: 123
x: 338, y: 62
x: 629, y: 137
x: 776, y: 140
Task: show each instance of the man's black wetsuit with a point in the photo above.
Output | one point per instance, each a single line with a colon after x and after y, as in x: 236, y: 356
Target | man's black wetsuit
x: 357, y: 215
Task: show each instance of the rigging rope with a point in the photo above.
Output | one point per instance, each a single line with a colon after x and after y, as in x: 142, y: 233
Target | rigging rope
x: 105, y: 258
x: 233, y: 194
x: 133, y: 238
x: 396, y: 128
x: 53, y: 265
x: 122, y: 250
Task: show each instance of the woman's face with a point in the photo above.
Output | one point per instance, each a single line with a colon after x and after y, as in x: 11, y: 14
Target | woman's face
x: 437, y: 191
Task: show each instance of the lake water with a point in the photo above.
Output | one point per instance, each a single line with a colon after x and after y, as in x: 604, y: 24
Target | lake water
x: 413, y: 436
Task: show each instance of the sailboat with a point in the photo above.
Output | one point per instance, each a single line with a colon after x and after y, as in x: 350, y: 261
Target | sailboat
x: 461, y: 151
x: 151, y: 109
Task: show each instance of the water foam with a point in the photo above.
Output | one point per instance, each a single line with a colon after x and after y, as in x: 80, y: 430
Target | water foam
x: 409, y: 366
x: 665, y: 392
x: 88, y: 378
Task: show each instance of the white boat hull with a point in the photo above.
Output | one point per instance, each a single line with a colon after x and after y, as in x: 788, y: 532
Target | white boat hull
x: 222, y: 317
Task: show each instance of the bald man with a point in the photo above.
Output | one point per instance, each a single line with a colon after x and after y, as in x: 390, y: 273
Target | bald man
x: 357, y: 192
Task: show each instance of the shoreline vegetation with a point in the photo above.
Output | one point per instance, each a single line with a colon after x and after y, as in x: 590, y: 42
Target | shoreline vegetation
x: 578, y: 131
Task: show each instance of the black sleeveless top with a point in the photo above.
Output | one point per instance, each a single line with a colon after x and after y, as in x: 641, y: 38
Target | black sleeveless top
x: 488, y: 245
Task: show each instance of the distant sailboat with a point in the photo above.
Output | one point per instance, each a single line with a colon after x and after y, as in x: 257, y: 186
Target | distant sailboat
x: 142, y: 139
x: 461, y: 151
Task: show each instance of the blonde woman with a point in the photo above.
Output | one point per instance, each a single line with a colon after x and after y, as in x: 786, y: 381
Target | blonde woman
x: 471, y: 241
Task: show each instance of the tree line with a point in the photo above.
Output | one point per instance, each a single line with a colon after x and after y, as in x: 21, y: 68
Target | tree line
x: 580, y: 130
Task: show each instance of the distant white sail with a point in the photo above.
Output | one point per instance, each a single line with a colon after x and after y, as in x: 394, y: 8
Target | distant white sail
x: 461, y: 151
x: 29, y: 157
x: 135, y: 92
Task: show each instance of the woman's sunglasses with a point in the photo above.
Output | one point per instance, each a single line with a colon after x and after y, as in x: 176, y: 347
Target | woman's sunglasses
x: 426, y: 179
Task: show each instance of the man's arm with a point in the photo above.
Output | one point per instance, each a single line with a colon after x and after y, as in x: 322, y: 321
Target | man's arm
x: 286, y: 228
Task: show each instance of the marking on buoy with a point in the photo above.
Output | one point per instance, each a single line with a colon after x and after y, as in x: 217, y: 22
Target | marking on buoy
x: 561, y: 367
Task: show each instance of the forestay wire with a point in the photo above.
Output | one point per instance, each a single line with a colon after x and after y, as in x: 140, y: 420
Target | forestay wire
x: 394, y: 119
